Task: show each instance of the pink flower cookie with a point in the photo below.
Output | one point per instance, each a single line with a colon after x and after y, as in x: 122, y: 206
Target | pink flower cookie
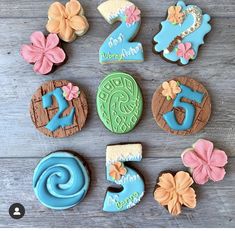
x: 44, y: 52
x: 205, y: 161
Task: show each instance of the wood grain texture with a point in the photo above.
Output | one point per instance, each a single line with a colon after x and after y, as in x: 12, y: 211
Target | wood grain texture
x: 22, y: 145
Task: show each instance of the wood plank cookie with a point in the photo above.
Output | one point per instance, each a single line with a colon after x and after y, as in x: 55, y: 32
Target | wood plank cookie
x: 181, y: 106
x: 59, y: 109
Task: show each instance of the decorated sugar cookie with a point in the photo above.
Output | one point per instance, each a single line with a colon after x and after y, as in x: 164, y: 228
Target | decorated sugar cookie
x: 67, y: 21
x: 119, y: 102
x: 182, y: 33
x: 128, y: 178
x: 44, y: 52
x: 181, y: 106
x: 118, y: 46
x: 61, y: 180
x: 205, y: 162
x: 59, y: 108
x: 175, y: 191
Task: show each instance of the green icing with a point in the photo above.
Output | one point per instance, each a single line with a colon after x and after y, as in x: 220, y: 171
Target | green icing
x: 119, y: 102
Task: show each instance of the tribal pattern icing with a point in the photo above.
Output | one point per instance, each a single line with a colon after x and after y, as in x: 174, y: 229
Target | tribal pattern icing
x: 119, y: 102
x: 186, y: 27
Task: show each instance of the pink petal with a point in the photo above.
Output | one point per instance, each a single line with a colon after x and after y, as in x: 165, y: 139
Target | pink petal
x: 218, y: 158
x: 74, y: 89
x: 180, y: 53
x: 216, y: 173
x: 66, y: 89
x: 182, y: 47
x: 30, y: 53
x: 70, y: 86
x: 204, y: 149
x: 132, y: 8
x: 137, y: 12
x: 55, y: 55
x: 190, y: 159
x: 187, y: 45
x: 189, y: 54
x: 69, y: 97
x: 43, y: 66
x: 200, y: 175
x: 52, y: 41
x: 38, y: 39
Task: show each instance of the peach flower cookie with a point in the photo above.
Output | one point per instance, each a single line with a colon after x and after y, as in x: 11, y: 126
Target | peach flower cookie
x: 181, y: 106
x: 44, y: 52
x: 59, y: 108
x: 175, y: 192
x: 67, y: 21
x: 205, y: 162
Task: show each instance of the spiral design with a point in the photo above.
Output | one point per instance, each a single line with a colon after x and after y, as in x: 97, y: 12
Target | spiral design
x: 119, y: 102
x: 60, y: 180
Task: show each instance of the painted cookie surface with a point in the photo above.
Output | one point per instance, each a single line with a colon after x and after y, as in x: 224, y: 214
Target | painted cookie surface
x: 116, y: 172
x: 182, y: 33
x: 61, y: 180
x: 59, y: 109
x: 181, y: 106
x: 118, y: 46
x: 119, y: 102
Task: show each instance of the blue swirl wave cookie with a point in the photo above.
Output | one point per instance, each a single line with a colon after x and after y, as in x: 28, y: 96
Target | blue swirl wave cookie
x: 61, y: 180
x: 182, y: 33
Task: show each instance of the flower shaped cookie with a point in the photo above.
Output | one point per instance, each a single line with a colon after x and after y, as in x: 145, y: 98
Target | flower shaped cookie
x: 67, y: 21
x: 175, y: 191
x: 70, y: 92
x: 43, y: 52
x: 206, y: 162
x: 174, y: 15
x: 170, y: 89
x: 185, y: 51
x: 117, y: 170
x: 132, y: 14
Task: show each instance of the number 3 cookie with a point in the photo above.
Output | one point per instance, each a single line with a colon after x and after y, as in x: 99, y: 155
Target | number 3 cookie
x: 181, y: 106
x: 182, y: 33
x: 59, y: 109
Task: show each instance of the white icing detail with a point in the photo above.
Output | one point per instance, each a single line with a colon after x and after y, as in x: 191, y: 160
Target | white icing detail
x: 113, y: 199
x: 135, y: 201
x: 115, y: 41
x: 132, y: 51
x: 127, y: 178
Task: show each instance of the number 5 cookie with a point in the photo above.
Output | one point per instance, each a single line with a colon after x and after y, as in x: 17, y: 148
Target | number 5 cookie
x: 181, y: 106
x: 59, y: 109
x: 182, y: 33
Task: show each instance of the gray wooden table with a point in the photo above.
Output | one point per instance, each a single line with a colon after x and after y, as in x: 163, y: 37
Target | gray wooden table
x: 22, y: 146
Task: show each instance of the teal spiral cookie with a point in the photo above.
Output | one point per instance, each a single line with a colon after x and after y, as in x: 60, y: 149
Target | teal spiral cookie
x: 119, y: 102
x: 61, y: 180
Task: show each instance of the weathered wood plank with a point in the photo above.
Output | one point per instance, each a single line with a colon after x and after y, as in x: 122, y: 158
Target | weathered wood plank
x: 215, y: 206
x: 149, y: 8
x: 214, y: 68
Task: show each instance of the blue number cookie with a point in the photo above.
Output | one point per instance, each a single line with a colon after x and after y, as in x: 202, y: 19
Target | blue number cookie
x: 182, y: 33
x: 61, y: 180
x: 181, y: 106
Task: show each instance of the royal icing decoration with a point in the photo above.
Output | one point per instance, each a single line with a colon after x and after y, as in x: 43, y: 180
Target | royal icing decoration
x: 118, y: 46
x: 205, y: 161
x: 70, y: 92
x: 182, y: 33
x: 67, y: 21
x: 129, y: 179
x: 60, y: 180
x: 175, y: 192
x: 119, y: 102
x: 44, y: 52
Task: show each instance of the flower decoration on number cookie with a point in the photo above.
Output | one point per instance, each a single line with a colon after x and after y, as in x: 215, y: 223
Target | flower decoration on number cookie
x: 175, y: 191
x: 132, y: 14
x: 185, y: 51
x: 175, y: 15
x: 171, y: 89
x: 44, y: 52
x: 205, y: 161
x: 117, y: 170
x: 70, y: 92
x: 67, y: 21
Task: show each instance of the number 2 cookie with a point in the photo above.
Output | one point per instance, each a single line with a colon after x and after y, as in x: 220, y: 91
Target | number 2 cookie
x: 59, y: 108
x: 181, y: 106
x: 182, y: 33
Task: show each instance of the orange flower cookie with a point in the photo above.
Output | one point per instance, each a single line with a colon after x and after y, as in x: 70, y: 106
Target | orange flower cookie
x: 67, y: 21
x: 175, y: 192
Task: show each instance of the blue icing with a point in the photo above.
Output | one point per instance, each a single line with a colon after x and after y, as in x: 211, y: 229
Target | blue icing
x: 189, y: 109
x: 60, y: 181
x: 58, y: 121
x: 117, y: 48
x: 169, y: 31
